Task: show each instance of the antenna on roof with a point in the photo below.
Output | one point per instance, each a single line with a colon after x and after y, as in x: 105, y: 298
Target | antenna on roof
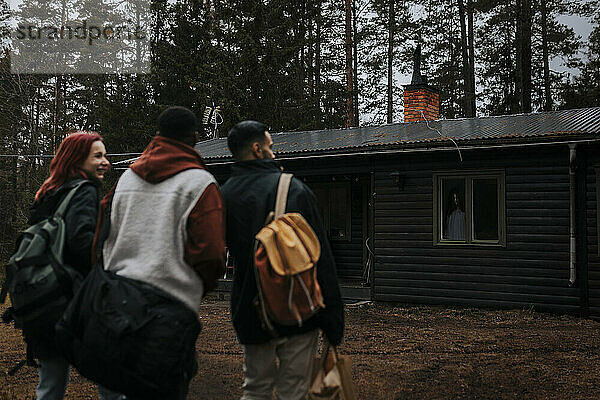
x: 211, y: 119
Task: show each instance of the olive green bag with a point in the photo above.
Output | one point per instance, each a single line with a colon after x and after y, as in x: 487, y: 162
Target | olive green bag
x: 39, y: 283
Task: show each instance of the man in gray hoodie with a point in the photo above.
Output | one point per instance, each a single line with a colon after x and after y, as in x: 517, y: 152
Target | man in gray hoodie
x: 167, y: 220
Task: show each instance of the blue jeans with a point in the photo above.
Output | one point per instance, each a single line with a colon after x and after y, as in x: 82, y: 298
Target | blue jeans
x: 54, y: 376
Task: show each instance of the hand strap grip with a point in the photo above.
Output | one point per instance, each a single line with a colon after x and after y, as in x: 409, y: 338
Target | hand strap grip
x: 326, y: 353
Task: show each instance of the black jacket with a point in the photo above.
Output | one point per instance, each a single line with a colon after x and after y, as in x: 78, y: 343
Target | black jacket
x: 80, y: 220
x: 80, y: 225
x: 249, y: 196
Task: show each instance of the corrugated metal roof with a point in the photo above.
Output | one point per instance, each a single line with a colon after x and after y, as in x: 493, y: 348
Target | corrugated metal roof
x: 562, y: 123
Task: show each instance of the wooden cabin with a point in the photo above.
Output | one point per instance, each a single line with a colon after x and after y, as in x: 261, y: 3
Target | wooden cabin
x: 489, y: 211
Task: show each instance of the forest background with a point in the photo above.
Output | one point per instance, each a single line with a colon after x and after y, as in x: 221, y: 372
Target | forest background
x: 295, y: 65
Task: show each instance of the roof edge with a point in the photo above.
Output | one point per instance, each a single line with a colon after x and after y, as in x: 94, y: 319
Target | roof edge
x: 418, y: 147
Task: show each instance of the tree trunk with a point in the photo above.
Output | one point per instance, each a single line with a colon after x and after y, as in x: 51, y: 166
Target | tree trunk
x: 518, y: 54
x: 523, y: 45
x: 310, y: 55
x: 310, y: 52
x: 390, y: 59
x: 450, y: 109
x: 349, y: 79
x: 35, y: 134
x: 57, y: 92
x: 469, y: 112
x: 302, y: 36
x: 318, y: 59
x: 526, y: 56
x: 470, y: 31
x: 510, y: 104
x: 15, y: 173
x: 545, y: 56
x: 355, y: 71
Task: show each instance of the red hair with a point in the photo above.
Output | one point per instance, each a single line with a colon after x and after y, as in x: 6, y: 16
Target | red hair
x: 68, y: 160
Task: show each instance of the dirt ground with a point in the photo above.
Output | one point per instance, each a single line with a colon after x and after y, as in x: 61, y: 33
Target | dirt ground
x: 399, y: 352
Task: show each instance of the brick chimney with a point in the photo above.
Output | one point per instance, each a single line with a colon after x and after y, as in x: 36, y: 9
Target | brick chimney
x: 420, y: 99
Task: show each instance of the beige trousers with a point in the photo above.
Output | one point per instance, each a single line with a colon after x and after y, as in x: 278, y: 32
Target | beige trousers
x: 291, y: 378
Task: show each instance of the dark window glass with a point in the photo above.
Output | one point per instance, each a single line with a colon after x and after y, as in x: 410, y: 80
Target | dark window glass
x: 485, y: 209
x: 322, y: 196
x: 333, y: 202
x: 338, y: 212
x: 453, y: 209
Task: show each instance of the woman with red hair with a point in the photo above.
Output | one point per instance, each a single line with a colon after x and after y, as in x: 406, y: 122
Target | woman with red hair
x: 80, y: 156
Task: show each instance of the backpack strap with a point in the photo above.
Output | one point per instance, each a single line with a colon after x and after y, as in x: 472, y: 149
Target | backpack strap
x: 62, y: 208
x: 282, y: 193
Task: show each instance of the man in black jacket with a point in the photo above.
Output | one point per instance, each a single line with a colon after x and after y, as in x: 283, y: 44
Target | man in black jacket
x: 249, y: 196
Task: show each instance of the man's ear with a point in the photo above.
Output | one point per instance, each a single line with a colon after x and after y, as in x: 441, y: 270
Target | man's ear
x: 256, y: 150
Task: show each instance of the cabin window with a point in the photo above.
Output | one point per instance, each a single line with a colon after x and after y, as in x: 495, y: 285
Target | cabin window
x: 469, y: 208
x: 333, y: 201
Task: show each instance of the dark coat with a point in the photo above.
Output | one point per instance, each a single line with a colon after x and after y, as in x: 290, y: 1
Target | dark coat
x: 249, y: 196
x: 80, y: 224
x: 80, y: 220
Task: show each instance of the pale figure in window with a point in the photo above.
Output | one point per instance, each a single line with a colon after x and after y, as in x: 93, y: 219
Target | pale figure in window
x: 455, y: 220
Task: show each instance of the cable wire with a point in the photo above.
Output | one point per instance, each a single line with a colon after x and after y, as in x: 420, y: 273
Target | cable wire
x: 52, y: 155
x: 442, y: 136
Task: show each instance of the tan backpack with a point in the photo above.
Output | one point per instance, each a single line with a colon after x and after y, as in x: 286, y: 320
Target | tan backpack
x: 285, y: 259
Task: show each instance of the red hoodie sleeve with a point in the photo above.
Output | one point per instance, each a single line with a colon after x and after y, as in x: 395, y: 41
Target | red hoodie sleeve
x: 205, y: 245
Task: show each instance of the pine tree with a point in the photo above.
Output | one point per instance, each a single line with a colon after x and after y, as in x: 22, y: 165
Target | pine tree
x: 386, y: 39
x: 441, y: 39
x: 584, y: 91
x: 552, y: 40
x: 516, y: 74
x: 523, y: 16
x: 496, y: 43
x: 468, y: 56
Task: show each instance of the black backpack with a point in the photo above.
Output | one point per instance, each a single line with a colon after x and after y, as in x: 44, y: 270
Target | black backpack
x: 38, y: 281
